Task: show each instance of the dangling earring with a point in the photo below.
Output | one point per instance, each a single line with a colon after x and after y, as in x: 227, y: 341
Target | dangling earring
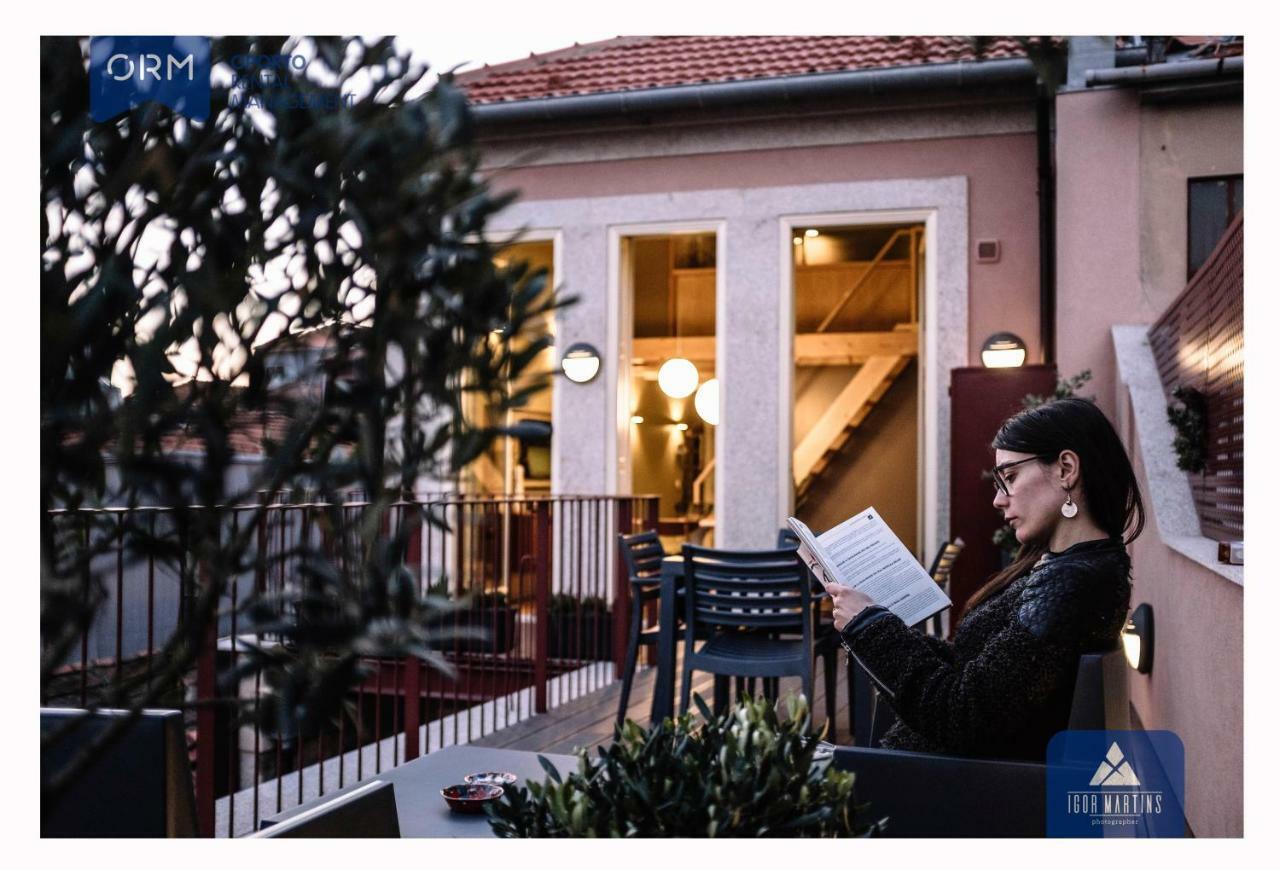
x: 1069, y: 507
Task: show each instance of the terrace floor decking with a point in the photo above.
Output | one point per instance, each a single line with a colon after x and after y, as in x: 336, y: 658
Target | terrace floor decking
x: 588, y: 721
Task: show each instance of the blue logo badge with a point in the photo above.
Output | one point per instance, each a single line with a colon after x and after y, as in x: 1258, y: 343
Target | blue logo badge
x: 1115, y: 784
x: 125, y: 71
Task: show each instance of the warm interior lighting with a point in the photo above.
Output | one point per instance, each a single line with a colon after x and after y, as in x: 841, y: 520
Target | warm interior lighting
x: 811, y: 233
x: 1004, y: 350
x: 707, y: 402
x: 637, y: 419
x: 682, y: 427
x: 580, y: 363
x: 797, y: 241
x: 678, y: 377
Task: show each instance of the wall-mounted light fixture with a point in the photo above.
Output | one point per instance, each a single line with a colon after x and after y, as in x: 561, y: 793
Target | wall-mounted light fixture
x: 707, y: 402
x: 678, y: 377
x: 637, y: 419
x: 580, y: 363
x: 1004, y: 350
x: 1139, y: 638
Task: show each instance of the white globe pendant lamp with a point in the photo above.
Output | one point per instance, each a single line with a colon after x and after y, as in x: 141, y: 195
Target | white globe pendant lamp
x: 707, y: 402
x: 678, y: 377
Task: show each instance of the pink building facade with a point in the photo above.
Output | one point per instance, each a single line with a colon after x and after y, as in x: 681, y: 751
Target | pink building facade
x: 963, y: 158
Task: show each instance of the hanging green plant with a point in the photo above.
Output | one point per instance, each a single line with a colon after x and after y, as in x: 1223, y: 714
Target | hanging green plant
x: 1191, y: 422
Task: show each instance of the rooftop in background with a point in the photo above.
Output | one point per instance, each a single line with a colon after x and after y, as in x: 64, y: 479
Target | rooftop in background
x: 635, y: 62
x: 630, y: 63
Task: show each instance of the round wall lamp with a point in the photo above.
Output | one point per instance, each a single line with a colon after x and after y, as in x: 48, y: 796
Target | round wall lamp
x: 707, y: 402
x: 1004, y: 350
x: 1139, y: 638
x: 580, y: 363
x: 678, y: 377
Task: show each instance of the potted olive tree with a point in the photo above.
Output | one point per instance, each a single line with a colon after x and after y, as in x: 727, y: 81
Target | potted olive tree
x: 748, y: 773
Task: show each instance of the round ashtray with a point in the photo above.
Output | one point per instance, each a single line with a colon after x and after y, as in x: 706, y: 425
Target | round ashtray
x: 491, y: 777
x: 470, y: 797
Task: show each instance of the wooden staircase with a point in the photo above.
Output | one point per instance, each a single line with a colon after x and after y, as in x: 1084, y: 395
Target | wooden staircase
x: 834, y: 428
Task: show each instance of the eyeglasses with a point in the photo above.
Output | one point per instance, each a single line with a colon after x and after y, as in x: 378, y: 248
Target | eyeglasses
x: 997, y: 474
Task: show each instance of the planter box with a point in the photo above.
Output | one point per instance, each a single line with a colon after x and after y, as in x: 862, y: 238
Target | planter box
x: 586, y: 634
x: 498, y: 624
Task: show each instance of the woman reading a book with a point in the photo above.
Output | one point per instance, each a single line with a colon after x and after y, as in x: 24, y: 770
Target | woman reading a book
x: 1004, y: 686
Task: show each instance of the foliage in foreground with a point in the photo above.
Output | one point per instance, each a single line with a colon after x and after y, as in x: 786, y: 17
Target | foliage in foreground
x: 748, y: 773
x: 175, y: 257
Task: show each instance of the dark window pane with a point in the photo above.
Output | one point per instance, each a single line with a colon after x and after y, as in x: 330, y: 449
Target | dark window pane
x: 1212, y: 203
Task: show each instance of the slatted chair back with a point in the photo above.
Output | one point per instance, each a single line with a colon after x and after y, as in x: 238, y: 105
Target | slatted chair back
x: 945, y: 561
x: 787, y: 539
x: 753, y: 589
x: 642, y: 553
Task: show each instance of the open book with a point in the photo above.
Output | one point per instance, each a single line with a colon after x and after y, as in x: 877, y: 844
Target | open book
x: 864, y: 553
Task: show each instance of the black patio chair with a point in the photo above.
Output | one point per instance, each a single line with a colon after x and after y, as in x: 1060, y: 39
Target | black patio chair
x: 139, y: 785
x: 740, y: 598
x: 929, y: 795
x: 368, y: 811
x: 642, y: 555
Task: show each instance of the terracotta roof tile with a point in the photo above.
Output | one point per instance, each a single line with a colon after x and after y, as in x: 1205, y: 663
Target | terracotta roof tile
x: 637, y: 62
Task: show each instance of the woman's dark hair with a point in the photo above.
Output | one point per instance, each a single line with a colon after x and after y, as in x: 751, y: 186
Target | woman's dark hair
x: 1109, y: 484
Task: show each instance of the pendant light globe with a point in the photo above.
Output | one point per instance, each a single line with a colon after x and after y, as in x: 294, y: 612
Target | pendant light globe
x: 678, y: 377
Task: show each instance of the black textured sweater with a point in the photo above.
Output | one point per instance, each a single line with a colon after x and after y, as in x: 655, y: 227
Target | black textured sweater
x: 1004, y: 686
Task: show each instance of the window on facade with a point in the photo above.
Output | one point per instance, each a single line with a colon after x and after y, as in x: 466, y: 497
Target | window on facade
x: 1212, y: 203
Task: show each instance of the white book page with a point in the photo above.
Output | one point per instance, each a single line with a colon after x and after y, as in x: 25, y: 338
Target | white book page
x: 865, y: 554
x: 811, y: 554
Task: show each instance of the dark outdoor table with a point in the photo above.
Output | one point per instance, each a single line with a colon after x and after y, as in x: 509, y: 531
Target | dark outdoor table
x: 421, y: 809
x: 664, y: 683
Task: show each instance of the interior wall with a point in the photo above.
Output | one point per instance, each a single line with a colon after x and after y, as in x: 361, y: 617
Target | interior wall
x: 654, y: 443
x: 816, y: 388
x: 877, y: 468
x: 651, y: 260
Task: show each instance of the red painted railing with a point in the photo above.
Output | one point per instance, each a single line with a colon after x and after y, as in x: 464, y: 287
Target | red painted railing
x: 546, y: 624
